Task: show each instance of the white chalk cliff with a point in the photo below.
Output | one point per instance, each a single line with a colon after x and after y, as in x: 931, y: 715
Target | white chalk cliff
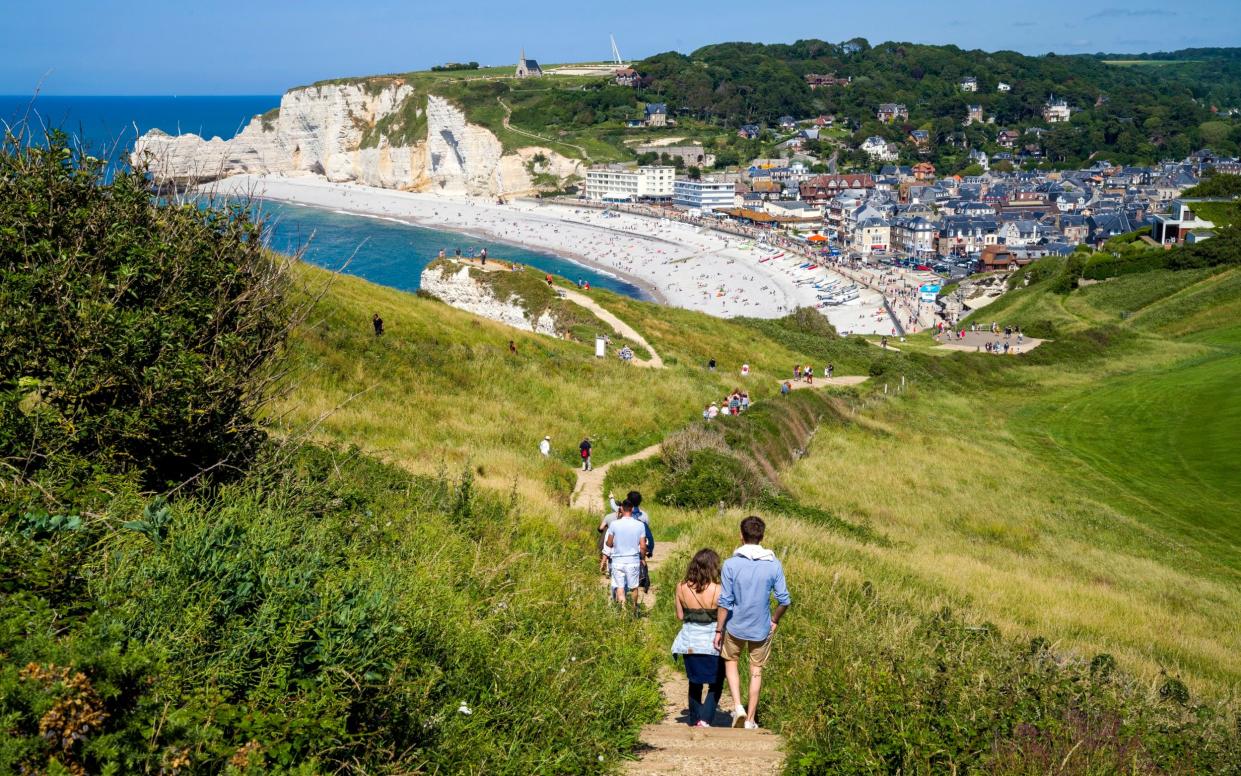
x: 355, y: 132
x: 456, y: 287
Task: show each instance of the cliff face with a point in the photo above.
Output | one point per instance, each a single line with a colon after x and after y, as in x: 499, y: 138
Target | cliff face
x: 356, y: 133
x: 453, y: 285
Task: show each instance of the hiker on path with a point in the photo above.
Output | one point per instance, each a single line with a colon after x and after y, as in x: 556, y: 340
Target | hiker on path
x: 545, y: 447
x: 585, y: 448
x: 831, y: 370
x: 512, y: 347
x: 785, y: 388
x: 626, y: 538
x: 696, y: 603
x: 746, y: 623
x: 635, y: 500
x: 378, y: 323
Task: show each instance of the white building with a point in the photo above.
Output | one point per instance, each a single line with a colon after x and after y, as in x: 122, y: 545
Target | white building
x: 969, y: 84
x: 617, y: 183
x: 1003, y: 87
x: 706, y: 194
x: 1056, y: 111
x: 880, y: 149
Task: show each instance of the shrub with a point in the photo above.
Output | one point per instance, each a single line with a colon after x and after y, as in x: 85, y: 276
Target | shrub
x: 136, y: 334
x: 711, y: 478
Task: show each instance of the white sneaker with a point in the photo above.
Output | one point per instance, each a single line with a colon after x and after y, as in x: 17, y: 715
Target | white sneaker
x: 739, y: 719
x: 751, y: 725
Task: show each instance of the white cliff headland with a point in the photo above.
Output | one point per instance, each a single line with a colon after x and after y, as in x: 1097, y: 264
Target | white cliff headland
x: 384, y: 134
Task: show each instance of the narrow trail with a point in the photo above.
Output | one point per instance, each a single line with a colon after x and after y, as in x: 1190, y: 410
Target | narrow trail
x: 671, y: 747
x: 589, y: 494
x: 508, y: 114
x: 622, y: 328
x: 602, y: 313
x: 820, y: 382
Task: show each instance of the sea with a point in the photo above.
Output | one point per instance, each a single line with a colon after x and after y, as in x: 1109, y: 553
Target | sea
x: 377, y: 249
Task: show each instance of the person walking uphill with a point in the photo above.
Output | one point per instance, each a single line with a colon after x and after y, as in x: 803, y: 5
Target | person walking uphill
x: 585, y: 448
x: 745, y: 622
x: 378, y: 324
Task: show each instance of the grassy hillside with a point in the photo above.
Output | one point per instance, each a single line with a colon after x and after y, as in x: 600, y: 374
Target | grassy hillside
x: 1079, y: 494
x: 384, y: 576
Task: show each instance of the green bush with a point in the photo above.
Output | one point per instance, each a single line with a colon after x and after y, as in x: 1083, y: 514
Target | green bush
x: 712, y: 478
x: 136, y: 335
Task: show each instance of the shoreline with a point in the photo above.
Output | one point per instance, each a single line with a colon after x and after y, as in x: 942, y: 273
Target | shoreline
x: 669, y: 261
x: 650, y: 293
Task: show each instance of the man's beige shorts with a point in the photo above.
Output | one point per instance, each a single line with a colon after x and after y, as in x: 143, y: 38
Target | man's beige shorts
x: 759, y: 650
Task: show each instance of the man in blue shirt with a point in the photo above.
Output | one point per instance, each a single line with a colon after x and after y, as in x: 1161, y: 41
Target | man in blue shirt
x: 746, y: 622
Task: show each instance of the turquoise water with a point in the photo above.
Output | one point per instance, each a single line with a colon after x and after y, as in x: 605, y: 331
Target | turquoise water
x: 383, y: 251
x: 393, y: 254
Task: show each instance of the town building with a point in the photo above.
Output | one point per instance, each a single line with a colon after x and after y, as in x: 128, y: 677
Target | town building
x: 706, y: 195
x: 618, y: 183
x: 1175, y: 225
x: 920, y: 137
x: 890, y: 112
x: 973, y: 115
x: 656, y: 114
x: 690, y: 155
x: 1056, y: 111
x: 1003, y: 87
x: 627, y: 76
x: 969, y: 84
x: 914, y: 236
x: 527, y: 68
x: 879, y: 149
x: 822, y: 188
x: 817, y: 80
x: 1001, y: 257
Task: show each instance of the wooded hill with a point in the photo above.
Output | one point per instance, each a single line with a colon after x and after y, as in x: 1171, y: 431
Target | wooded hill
x: 1132, y: 113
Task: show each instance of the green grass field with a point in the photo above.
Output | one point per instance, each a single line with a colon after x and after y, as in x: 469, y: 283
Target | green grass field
x: 1080, y: 494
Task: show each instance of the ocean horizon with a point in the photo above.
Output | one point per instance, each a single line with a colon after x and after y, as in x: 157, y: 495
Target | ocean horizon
x: 384, y: 251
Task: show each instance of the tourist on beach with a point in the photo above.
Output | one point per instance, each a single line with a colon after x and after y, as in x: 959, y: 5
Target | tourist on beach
x: 545, y: 447
x: 626, y: 538
x: 696, y: 606
x: 585, y: 448
x: 746, y: 623
x: 378, y: 324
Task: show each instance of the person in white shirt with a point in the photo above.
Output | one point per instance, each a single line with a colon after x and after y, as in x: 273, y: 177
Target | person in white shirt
x: 545, y: 447
x: 626, y: 538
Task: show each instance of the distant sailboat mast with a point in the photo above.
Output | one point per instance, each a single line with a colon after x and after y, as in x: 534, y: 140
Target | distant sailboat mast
x: 616, y: 57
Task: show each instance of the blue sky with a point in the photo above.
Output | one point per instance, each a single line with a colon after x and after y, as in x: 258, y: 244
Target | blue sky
x: 261, y: 47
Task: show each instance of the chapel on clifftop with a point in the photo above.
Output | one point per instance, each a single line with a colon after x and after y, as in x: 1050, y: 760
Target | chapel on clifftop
x: 527, y: 68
